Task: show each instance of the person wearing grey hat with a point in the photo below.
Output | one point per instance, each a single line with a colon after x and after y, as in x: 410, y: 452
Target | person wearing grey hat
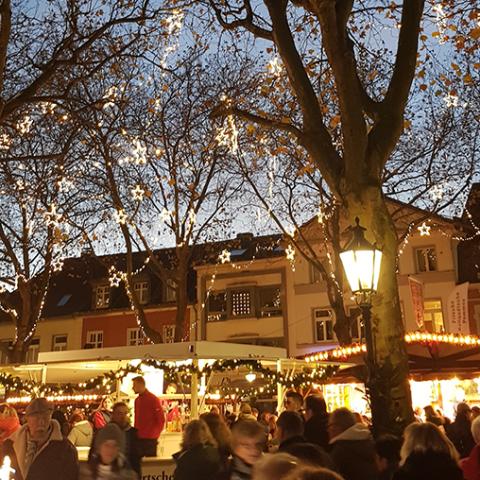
x: 107, y: 461
x: 38, y: 450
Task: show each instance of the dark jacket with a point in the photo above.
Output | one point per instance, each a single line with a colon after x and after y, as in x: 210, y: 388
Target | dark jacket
x: 316, y: 430
x: 132, y: 449
x: 239, y: 470
x: 56, y: 460
x: 461, y: 436
x: 353, y: 453
x: 201, y: 462
x: 306, y: 451
x: 429, y: 466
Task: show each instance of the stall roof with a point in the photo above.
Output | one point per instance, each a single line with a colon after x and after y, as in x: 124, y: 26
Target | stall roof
x: 167, y: 351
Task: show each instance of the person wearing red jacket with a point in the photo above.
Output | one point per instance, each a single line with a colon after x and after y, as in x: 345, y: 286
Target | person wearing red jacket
x: 149, y: 418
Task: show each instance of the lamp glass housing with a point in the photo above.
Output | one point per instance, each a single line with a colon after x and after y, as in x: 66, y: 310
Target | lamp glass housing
x: 362, y: 268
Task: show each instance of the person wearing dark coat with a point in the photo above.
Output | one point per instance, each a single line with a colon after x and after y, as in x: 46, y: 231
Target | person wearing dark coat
x: 199, y: 458
x: 351, y: 447
x: 471, y: 465
x: 316, y: 421
x: 289, y: 433
x: 427, y: 453
x: 38, y: 450
x: 459, y: 431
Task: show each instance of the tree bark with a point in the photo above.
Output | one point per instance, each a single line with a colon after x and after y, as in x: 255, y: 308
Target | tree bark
x: 387, y: 379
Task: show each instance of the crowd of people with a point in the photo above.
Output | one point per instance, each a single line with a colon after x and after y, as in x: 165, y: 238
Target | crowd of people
x: 304, y: 442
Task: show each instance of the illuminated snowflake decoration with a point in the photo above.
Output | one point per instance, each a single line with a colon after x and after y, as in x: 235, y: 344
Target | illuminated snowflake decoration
x: 224, y: 257
x: 451, y: 100
x: 137, y: 193
x: 424, y: 230
x: 121, y: 217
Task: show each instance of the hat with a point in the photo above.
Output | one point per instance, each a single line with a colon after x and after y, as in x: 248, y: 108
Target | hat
x: 39, y: 405
x: 110, y: 431
x: 246, y: 409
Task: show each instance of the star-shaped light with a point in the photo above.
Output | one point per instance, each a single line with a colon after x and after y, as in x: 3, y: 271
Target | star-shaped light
x: 424, y: 230
x: 57, y: 264
x: 52, y: 217
x: 115, y: 277
x: 290, y: 253
x: 165, y: 215
x: 137, y: 193
x: 436, y: 192
x: 224, y: 257
x: 121, y: 217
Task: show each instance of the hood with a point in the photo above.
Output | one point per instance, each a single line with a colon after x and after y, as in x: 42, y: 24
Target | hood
x: 355, y: 432
x: 84, y: 428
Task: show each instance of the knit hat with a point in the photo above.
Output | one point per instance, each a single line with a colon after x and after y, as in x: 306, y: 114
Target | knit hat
x: 110, y: 431
x: 39, y: 405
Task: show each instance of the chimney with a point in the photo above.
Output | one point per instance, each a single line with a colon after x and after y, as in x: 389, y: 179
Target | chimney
x: 245, y: 239
x: 473, y: 204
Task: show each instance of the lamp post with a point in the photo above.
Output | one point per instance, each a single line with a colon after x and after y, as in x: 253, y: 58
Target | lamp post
x: 361, y: 261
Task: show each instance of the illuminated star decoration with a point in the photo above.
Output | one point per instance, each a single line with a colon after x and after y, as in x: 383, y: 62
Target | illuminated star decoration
x: 57, y: 264
x: 424, y: 230
x: 451, y: 100
x: 115, y: 277
x: 121, y: 216
x: 52, y: 217
x: 224, y: 257
x: 137, y: 193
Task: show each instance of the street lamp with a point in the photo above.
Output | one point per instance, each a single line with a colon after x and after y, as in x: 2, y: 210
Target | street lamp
x: 361, y: 262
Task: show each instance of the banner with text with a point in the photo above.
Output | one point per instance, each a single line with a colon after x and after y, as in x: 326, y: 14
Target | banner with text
x: 416, y: 292
x: 457, y: 310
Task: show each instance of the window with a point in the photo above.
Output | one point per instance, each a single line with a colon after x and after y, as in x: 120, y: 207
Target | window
x: 241, y: 302
x: 102, y: 296
x: 323, y: 324
x: 95, y: 339
x: 316, y: 276
x: 63, y: 301
x: 217, y: 306
x: 32, y: 351
x: 170, y: 290
x: 59, y: 343
x: 433, y: 316
x: 134, y: 336
x: 142, y: 291
x: 168, y: 333
x: 357, y: 327
x: 426, y: 259
x: 269, y: 302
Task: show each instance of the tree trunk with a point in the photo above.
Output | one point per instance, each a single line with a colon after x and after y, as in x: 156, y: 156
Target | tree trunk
x: 182, y: 303
x: 387, y: 379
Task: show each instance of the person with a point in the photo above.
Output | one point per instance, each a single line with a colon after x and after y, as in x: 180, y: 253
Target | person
x: 248, y: 442
x: 293, y: 401
x: 459, y: 431
x: 59, y: 415
x: 475, y: 412
x: 264, y: 421
x: 9, y: 422
x: 120, y: 416
x: 316, y: 421
x: 103, y: 414
x: 107, y: 461
x: 274, y: 466
x: 255, y: 413
x: 37, y: 450
x: 149, y: 418
x: 313, y: 473
x: 471, y: 464
x: 81, y: 434
x: 387, y: 448
x: 222, y: 435
x: 432, y: 416
x: 199, y: 458
x: 351, y: 446
x: 289, y: 433
x: 246, y: 413
x: 427, y: 453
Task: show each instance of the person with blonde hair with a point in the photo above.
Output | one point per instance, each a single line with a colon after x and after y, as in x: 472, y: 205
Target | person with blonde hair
x: 199, y: 458
x: 312, y: 473
x: 427, y: 453
x: 9, y: 422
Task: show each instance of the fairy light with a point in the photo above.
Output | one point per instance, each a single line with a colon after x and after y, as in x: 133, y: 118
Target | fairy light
x: 47, y: 108
x: 52, y: 217
x: 5, y: 141
x: 274, y: 66
x: 115, y: 277
x: 24, y: 125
